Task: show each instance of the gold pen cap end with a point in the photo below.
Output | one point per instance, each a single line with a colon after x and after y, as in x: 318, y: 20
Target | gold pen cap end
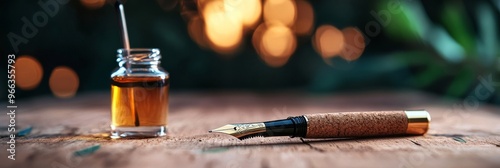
x: 418, y: 122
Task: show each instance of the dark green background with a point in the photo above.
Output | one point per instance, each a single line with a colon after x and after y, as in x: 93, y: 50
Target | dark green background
x: 86, y: 40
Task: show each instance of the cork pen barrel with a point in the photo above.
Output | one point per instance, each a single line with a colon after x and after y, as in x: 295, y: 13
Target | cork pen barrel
x: 362, y: 124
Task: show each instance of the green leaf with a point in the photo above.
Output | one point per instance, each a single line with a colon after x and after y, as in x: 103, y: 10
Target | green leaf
x: 461, y: 83
x: 487, y: 41
x: 413, y: 57
x: 431, y: 74
x: 402, y: 24
x: 456, y: 23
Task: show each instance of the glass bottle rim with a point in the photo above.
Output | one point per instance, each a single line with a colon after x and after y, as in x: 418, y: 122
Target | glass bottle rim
x: 138, y: 55
x: 123, y: 50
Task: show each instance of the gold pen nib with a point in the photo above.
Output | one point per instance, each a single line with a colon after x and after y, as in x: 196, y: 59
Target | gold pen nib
x: 241, y: 131
x: 227, y: 129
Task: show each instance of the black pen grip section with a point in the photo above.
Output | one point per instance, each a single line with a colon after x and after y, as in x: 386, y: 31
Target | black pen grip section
x: 292, y: 126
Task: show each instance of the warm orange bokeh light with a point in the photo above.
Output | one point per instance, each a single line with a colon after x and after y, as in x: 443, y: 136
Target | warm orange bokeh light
x: 283, y: 11
x: 63, y: 82
x: 29, y: 72
x: 275, y: 43
x: 354, y: 44
x: 196, y: 31
x: 257, y: 37
x: 248, y: 11
x: 328, y: 41
x: 167, y: 5
x: 305, y: 18
x: 278, y: 41
x: 223, y: 30
x: 202, y: 3
x: 93, y: 4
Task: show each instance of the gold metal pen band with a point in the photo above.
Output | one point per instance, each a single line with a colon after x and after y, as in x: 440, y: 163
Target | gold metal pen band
x: 418, y: 122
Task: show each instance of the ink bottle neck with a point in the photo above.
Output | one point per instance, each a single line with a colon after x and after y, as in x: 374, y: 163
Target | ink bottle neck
x: 139, y: 62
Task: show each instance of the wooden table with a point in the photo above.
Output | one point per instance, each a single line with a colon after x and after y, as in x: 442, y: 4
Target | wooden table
x: 73, y: 133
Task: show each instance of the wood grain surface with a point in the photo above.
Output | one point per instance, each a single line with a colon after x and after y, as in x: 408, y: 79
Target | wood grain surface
x: 74, y: 133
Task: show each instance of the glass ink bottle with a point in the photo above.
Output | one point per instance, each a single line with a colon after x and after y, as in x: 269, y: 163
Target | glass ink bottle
x: 139, y: 95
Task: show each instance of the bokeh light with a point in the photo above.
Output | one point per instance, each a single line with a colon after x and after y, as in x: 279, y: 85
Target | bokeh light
x: 248, y: 11
x: 278, y: 41
x: 257, y: 37
x: 275, y: 43
x: 202, y: 3
x: 223, y: 30
x: 305, y: 18
x: 196, y: 31
x: 63, y: 82
x: 29, y: 72
x: 328, y: 41
x: 283, y: 11
x: 354, y: 43
x: 93, y: 4
x: 167, y: 5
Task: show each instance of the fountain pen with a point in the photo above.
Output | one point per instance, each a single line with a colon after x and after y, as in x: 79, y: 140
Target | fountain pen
x: 335, y: 125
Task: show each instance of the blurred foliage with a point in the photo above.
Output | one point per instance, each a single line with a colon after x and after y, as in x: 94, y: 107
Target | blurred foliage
x: 460, y: 54
x: 435, y: 46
